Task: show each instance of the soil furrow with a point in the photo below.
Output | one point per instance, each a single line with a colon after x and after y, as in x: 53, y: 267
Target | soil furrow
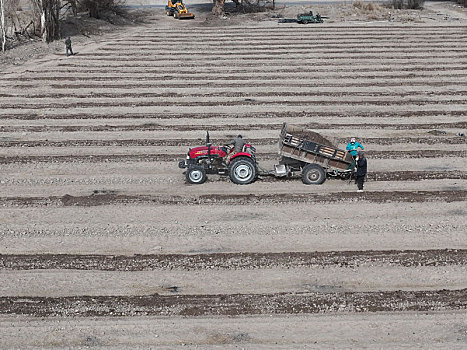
x: 285, y: 44
x: 280, y: 50
x: 150, y: 57
x: 346, y: 29
x: 235, y: 77
x: 235, y: 261
x: 225, y: 199
x: 218, y: 56
x: 282, y: 115
x: 158, y: 157
x: 276, y: 38
x: 120, y: 103
x: 219, y: 84
x: 412, y: 65
x: 281, y: 94
x: 129, y: 69
x: 188, y: 142
x: 236, y: 304
x: 427, y: 33
x: 271, y: 34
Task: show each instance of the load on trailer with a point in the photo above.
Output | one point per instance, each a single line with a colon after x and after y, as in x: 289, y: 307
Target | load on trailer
x: 177, y: 9
x: 304, y: 153
x: 301, y: 153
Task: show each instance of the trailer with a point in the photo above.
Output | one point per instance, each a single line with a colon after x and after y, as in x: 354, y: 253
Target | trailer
x: 314, y: 161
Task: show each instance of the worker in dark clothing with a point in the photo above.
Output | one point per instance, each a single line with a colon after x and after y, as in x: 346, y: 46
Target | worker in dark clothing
x: 238, y: 144
x: 69, y: 50
x: 361, y: 170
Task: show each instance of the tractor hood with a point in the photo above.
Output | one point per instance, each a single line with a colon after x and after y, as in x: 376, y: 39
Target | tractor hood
x: 203, y: 151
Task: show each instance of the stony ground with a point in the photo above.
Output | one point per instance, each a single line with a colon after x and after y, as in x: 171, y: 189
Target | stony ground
x: 101, y: 239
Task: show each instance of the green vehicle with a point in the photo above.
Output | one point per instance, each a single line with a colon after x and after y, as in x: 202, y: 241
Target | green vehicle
x: 306, y: 18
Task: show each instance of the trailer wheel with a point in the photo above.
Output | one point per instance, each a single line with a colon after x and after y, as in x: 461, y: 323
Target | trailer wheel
x: 242, y: 171
x: 313, y: 174
x: 196, y: 175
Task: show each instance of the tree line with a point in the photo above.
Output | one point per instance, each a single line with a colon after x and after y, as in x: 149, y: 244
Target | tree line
x: 45, y: 16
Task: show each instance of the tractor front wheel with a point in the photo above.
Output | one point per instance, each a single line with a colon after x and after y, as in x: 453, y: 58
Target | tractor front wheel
x: 196, y: 175
x: 313, y: 174
x: 242, y: 171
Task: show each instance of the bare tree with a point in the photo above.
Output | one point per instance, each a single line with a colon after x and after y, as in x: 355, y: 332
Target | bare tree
x: 2, y: 14
x: 49, y: 11
x: 218, y: 7
x: 96, y: 8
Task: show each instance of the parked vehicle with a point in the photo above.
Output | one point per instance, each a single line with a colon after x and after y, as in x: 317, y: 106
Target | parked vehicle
x: 305, y: 18
x: 177, y: 9
x: 299, y: 154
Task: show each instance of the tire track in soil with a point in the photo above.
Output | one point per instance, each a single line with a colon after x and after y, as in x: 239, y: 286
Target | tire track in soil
x: 160, y: 157
x: 238, y: 199
x: 234, y: 261
x: 235, y: 304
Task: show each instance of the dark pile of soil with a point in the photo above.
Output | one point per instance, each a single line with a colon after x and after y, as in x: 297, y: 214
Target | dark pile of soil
x: 312, y: 136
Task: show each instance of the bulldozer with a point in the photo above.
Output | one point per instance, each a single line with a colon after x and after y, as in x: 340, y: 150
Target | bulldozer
x: 177, y: 9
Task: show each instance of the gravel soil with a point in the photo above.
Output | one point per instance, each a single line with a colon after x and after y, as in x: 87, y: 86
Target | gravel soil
x: 103, y: 243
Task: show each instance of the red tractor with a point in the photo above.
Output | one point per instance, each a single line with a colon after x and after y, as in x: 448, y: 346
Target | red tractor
x: 200, y: 161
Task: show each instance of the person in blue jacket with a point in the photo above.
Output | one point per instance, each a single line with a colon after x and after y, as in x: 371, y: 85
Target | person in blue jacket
x: 353, y: 146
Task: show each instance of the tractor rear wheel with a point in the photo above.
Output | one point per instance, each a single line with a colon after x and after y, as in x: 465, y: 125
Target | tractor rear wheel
x: 242, y: 171
x: 196, y: 175
x: 313, y: 174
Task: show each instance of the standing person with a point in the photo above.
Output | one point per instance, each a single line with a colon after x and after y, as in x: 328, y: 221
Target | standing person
x: 361, y: 170
x: 238, y: 144
x: 68, y: 46
x: 353, y: 146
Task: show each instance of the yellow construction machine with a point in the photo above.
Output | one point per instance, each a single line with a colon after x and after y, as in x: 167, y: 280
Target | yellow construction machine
x: 177, y: 9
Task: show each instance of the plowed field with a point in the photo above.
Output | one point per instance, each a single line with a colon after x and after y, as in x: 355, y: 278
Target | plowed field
x: 100, y: 236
